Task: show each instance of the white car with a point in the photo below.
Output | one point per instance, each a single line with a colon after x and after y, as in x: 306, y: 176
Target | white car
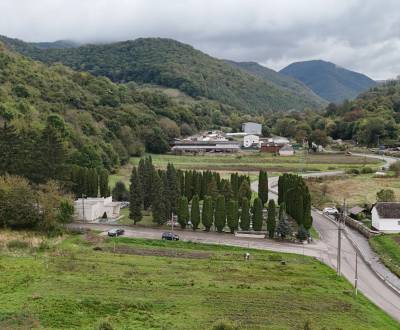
x: 330, y: 210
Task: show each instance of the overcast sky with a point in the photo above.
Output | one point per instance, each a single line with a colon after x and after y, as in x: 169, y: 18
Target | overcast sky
x: 362, y: 35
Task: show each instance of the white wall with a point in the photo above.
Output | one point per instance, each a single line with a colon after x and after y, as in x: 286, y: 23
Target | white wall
x: 385, y: 225
x: 249, y: 140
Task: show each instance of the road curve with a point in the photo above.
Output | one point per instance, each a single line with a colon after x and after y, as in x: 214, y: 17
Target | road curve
x: 369, y: 283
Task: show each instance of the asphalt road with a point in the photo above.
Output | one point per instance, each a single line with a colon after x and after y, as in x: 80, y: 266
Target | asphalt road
x: 324, y: 249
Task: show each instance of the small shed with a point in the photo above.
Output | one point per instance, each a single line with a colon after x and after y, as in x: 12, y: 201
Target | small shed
x: 356, y: 211
x: 286, y: 150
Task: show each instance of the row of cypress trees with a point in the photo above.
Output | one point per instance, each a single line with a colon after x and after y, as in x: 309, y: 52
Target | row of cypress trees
x: 160, y: 190
x: 293, y: 191
x: 89, y: 181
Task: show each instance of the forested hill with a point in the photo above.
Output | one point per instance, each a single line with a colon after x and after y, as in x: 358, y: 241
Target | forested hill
x: 372, y: 118
x: 92, y: 121
x: 173, y: 64
x: 328, y: 80
x: 282, y: 81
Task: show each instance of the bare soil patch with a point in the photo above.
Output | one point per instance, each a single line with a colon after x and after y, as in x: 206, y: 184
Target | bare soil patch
x: 159, y: 252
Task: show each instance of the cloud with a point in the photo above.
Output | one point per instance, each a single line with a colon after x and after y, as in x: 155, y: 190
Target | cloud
x: 363, y: 35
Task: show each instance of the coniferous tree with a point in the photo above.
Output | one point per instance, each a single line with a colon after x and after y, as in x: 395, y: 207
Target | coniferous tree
x: 307, y: 218
x: 244, y: 191
x: 148, y: 177
x: 183, y: 212
x: 172, y: 188
x: 166, y: 198
x: 245, y: 215
x: 92, y: 183
x: 195, y: 212
x: 189, y: 185
x: 135, y: 197
x: 212, y: 189
x: 257, y: 214
x: 232, y: 215
x: 234, y: 185
x: 207, y: 213
x: 283, y: 228
x: 226, y: 190
x: 271, y: 220
x: 103, y: 183
x: 263, y: 186
x: 120, y: 193
x: 220, y: 214
x: 302, y: 233
x: 158, y: 205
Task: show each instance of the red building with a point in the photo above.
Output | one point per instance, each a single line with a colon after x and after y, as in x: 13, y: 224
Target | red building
x: 270, y: 147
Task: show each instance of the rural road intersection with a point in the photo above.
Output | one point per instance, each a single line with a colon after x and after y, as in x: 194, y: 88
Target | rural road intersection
x: 325, y: 249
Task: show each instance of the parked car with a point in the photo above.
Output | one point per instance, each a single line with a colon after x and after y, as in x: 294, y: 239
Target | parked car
x: 330, y: 211
x: 116, y: 232
x: 170, y: 236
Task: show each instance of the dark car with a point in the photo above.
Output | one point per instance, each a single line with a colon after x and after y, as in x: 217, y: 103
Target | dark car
x: 116, y: 232
x: 170, y: 236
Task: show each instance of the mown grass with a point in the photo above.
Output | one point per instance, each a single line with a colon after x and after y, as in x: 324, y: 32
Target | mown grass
x: 388, y: 249
x: 174, y: 285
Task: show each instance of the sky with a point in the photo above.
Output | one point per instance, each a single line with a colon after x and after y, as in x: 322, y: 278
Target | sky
x: 361, y: 35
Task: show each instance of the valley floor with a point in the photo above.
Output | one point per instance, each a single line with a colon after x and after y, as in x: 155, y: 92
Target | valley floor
x: 147, y: 284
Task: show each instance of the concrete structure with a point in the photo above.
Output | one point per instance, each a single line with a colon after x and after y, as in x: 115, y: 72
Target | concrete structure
x: 251, y: 140
x: 205, y: 146
x: 279, y: 140
x: 92, y: 208
x: 286, y: 150
x: 386, y: 217
x: 252, y: 128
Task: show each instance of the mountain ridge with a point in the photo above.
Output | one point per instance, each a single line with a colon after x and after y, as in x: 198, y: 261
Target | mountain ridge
x: 328, y: 80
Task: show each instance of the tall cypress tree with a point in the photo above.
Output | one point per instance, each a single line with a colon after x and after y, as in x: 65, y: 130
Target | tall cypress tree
x: 195, y: 212
x: 158, y: 206
x: 207, y: 213
x: 244, y: 191
x: 103, y: 183
x: 135, y: 197
x: 245, y: 215
x: 183, y: 212
x: 148, y: 177
x: 283, y: 228
x: 172, y: 188
x: 92, y: 183
x: 263, y: 186
x: 220, y: 214
x: 271, y: 220
x: 232, y: 215
x: 189, y: 185
x: 257, y: 214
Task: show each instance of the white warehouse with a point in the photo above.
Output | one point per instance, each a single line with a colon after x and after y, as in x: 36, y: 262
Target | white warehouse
x: 252, y: 128
x: 386, y: 217
x: 92, y: 208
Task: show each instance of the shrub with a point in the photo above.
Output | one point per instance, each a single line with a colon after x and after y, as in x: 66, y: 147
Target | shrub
x: 224, y: 325
x: 395, y: 167
x: 353, y: 171
x: 17, y: 245
x: 367, y: 170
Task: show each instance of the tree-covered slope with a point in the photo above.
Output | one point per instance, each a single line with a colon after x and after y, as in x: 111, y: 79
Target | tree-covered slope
x: 372, y: 118
x: 173, y: 64
x: 290, y: 84
x: 102, y: 123
x: 328, y: 80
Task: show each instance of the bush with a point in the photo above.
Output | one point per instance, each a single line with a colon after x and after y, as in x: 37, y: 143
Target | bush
x: 395, y: 167
x: 367, y: 170
x: 224, y: 325
x: 353, y: 171
x: 17, y: 245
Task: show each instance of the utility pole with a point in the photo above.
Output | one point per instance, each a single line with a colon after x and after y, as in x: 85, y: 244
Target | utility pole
x: 356, y: 275
x: 339, y: 254
x: 83, y: 207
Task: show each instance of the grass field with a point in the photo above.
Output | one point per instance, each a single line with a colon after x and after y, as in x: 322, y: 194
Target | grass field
x: 252, y: 162
x: 139, y: 284
x: 388, y: 248
x: 358, y: 189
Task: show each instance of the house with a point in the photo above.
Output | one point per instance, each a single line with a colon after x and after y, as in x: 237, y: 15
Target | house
x: 181, y: 147
x: 386, y: 217
x: 92, y: 208
x: 279, y: 140
x: 251, y: 140
x: 357, y: 212
x: 270, y: 147
x: 252, y: 128
x: 286, y: 150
